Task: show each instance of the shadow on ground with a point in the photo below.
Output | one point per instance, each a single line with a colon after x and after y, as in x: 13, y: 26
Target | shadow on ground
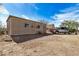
x: 23, y: 38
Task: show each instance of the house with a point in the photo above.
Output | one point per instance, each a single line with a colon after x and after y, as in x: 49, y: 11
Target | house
x: 50, y: 26
x: 20, y: 26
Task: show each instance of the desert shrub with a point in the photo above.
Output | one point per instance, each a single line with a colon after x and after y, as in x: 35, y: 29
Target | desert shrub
x: 72, y: 30
x: 2, y: 31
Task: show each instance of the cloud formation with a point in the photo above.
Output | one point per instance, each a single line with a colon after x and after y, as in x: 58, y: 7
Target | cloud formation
x: 3, y: 10
x: 3, y: 15
x: 71, y: 13
x: 24, y: 16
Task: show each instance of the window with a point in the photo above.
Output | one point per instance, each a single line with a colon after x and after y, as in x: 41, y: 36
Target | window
x: 38, y: 26
x: 26, y: 25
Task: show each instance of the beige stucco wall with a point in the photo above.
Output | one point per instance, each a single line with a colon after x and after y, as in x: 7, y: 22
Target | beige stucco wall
x: 16, y: 26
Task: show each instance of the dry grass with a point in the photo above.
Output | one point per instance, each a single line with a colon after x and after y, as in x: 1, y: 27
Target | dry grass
x: 46, y: 45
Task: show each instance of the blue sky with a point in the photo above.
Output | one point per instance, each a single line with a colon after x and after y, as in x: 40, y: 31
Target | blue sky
x: 53, y: 13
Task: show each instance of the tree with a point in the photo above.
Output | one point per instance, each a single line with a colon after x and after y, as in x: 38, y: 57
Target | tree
x: 70, y: 24
x: 2, y: 28
x: 0, y: 25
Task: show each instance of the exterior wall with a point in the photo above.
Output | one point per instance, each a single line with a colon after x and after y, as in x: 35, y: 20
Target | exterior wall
x: 16, y: 26
x: 9, y: 25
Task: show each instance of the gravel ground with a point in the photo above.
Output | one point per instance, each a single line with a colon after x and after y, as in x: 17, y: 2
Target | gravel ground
x: 51, y: 45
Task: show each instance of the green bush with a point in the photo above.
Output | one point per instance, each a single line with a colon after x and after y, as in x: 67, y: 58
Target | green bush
x: 72, y: 30
x: 72, y: 25
x: 2, y: 31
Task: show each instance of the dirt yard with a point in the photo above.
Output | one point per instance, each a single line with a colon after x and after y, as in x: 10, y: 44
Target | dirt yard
x: 50, y: 45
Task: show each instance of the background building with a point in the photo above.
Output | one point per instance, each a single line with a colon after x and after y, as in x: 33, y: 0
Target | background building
x: 49, y: 26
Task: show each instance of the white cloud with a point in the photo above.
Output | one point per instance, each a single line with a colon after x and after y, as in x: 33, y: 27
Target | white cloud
x: 3, y: 10
x: 26, y: 17
x: 34, y: 5
x: 71, y: 13
x: 3, y: 15
x: 29, y: 6
x: 3, y: 19
x: 36, y: 18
